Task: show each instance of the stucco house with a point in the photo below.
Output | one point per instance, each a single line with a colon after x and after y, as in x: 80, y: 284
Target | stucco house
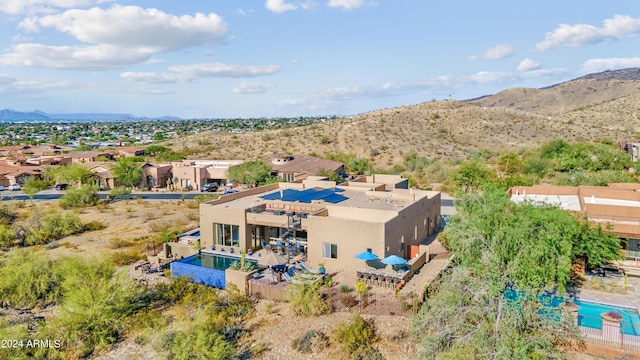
x: 194, y: 173
x: 331, y: 223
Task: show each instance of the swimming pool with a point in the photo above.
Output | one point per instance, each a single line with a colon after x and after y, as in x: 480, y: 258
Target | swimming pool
x: 205, y: 268
x: 589, y: 313
x: 213, y: 261
x: 589, y: 316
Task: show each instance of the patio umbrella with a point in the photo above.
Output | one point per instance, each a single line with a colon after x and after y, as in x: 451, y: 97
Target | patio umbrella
x: 393, y: 260
x: 367, y: 256
x: 272, y: 259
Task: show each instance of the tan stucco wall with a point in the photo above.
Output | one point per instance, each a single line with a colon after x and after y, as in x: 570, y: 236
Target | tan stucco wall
x: 221, y: 215
x: 351, y: 236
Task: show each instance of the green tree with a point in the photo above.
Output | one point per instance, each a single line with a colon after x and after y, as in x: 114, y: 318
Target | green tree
x: 359, y: 165
x: 250, y: 173
x: 73, y: 174
x: 531, y: 246
x: 154, y: 150
x: 31, y: 186
x: 127, y: 171
x: 471, y: 175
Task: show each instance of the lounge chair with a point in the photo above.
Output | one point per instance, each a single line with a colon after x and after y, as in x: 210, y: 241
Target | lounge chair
x: 304, y: 267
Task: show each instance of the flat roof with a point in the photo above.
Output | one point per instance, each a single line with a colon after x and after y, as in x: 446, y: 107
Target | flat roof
x: 614, y: 202
x: 376, y: 200
x: 564, y: 202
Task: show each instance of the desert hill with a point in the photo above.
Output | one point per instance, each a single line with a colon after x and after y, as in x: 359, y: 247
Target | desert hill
x: 588, y: 108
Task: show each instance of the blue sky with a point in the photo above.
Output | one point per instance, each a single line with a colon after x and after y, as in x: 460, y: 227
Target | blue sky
x: 221, y: 59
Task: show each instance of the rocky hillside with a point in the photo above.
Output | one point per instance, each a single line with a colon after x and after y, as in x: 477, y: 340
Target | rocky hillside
x: 589, y: 108
x: 586, y: 91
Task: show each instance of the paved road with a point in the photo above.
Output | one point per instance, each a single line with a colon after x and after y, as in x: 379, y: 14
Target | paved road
x: 54, y: 195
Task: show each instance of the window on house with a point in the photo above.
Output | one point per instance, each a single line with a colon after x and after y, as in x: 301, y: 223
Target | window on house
x: 329, y: 250
x: 228, y: 235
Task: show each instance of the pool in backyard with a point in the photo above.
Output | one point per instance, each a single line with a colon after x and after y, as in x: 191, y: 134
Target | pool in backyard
x: 205, y: 268
x: 589, y: 313
x: 589, y: 316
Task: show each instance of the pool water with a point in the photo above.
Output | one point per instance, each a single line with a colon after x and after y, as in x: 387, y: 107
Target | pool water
x: 589, y: 313
x: 589, y: 316
x: 218, y: 262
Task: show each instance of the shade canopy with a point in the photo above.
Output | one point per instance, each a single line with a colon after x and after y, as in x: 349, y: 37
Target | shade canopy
x: 367, y: 256
x: 393, y: 260
x: 272, y: 259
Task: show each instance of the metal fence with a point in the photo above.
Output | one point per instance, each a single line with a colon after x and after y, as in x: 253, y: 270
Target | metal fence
x: 622, y: 334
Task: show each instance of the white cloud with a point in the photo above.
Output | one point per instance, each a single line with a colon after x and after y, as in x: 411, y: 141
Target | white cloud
x: 602, y: 64
x: 583, y: 34
x: 246, y: 87
x: 225, y: 70
x: 346, y: 4
x: 495, y: 53
x: 149, y: 30
x: 16, y: 7
x: 528, y: 64
x: 72, y: 57
x: 117, y: 37
x: 187, y: 73
x: 155, y: 78
x: 279, y: 6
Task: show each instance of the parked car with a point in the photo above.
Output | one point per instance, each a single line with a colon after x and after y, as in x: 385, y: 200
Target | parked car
x: 62, y: 186
x: 14, y: 187
x: 229, y: 191
x: 210, y: 187
x: 1, y: 188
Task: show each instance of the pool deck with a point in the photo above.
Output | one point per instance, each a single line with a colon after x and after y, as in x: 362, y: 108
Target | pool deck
x: 629, y: 300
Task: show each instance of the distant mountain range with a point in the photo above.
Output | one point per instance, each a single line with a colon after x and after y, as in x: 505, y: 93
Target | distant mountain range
x: 8, y: 115
x: 596, y: 107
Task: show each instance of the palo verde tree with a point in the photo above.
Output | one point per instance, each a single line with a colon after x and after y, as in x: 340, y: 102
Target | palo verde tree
x: 471, y: 175
x: 127, y: 171
x: 250, y: 173
x: 32, y: 185
x: 530, y: 245
x: 73, y: 174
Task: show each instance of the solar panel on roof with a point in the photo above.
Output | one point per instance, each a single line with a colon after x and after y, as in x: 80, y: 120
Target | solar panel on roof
x: 306, y: 196
x: 334, y: 198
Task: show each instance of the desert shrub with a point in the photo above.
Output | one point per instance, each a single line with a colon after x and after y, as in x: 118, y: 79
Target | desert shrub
x: 348, y: 300
x: 117, y: 243
x: 7, y: 216
x: 126, y: 257
x: 119, y: 192
x: 208, y: 321
x: 328, y: 281
x: 28, y: 278
x: 7, y: 236
x: 345, y: 289
x: 93, y: 225
x: 96, y: 304
x: 305, y: 299
x: 86, y: 195
x: 43, y: 229
x: 311, y: 341
x: 356, y: 336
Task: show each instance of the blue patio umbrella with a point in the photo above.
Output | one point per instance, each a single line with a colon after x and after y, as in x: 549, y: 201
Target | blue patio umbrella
x: 367, y: 256
x: 393, y: 260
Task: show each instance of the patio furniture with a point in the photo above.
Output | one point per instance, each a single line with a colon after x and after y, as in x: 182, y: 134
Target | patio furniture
x: 265, y: 245
x: 304, y: 267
